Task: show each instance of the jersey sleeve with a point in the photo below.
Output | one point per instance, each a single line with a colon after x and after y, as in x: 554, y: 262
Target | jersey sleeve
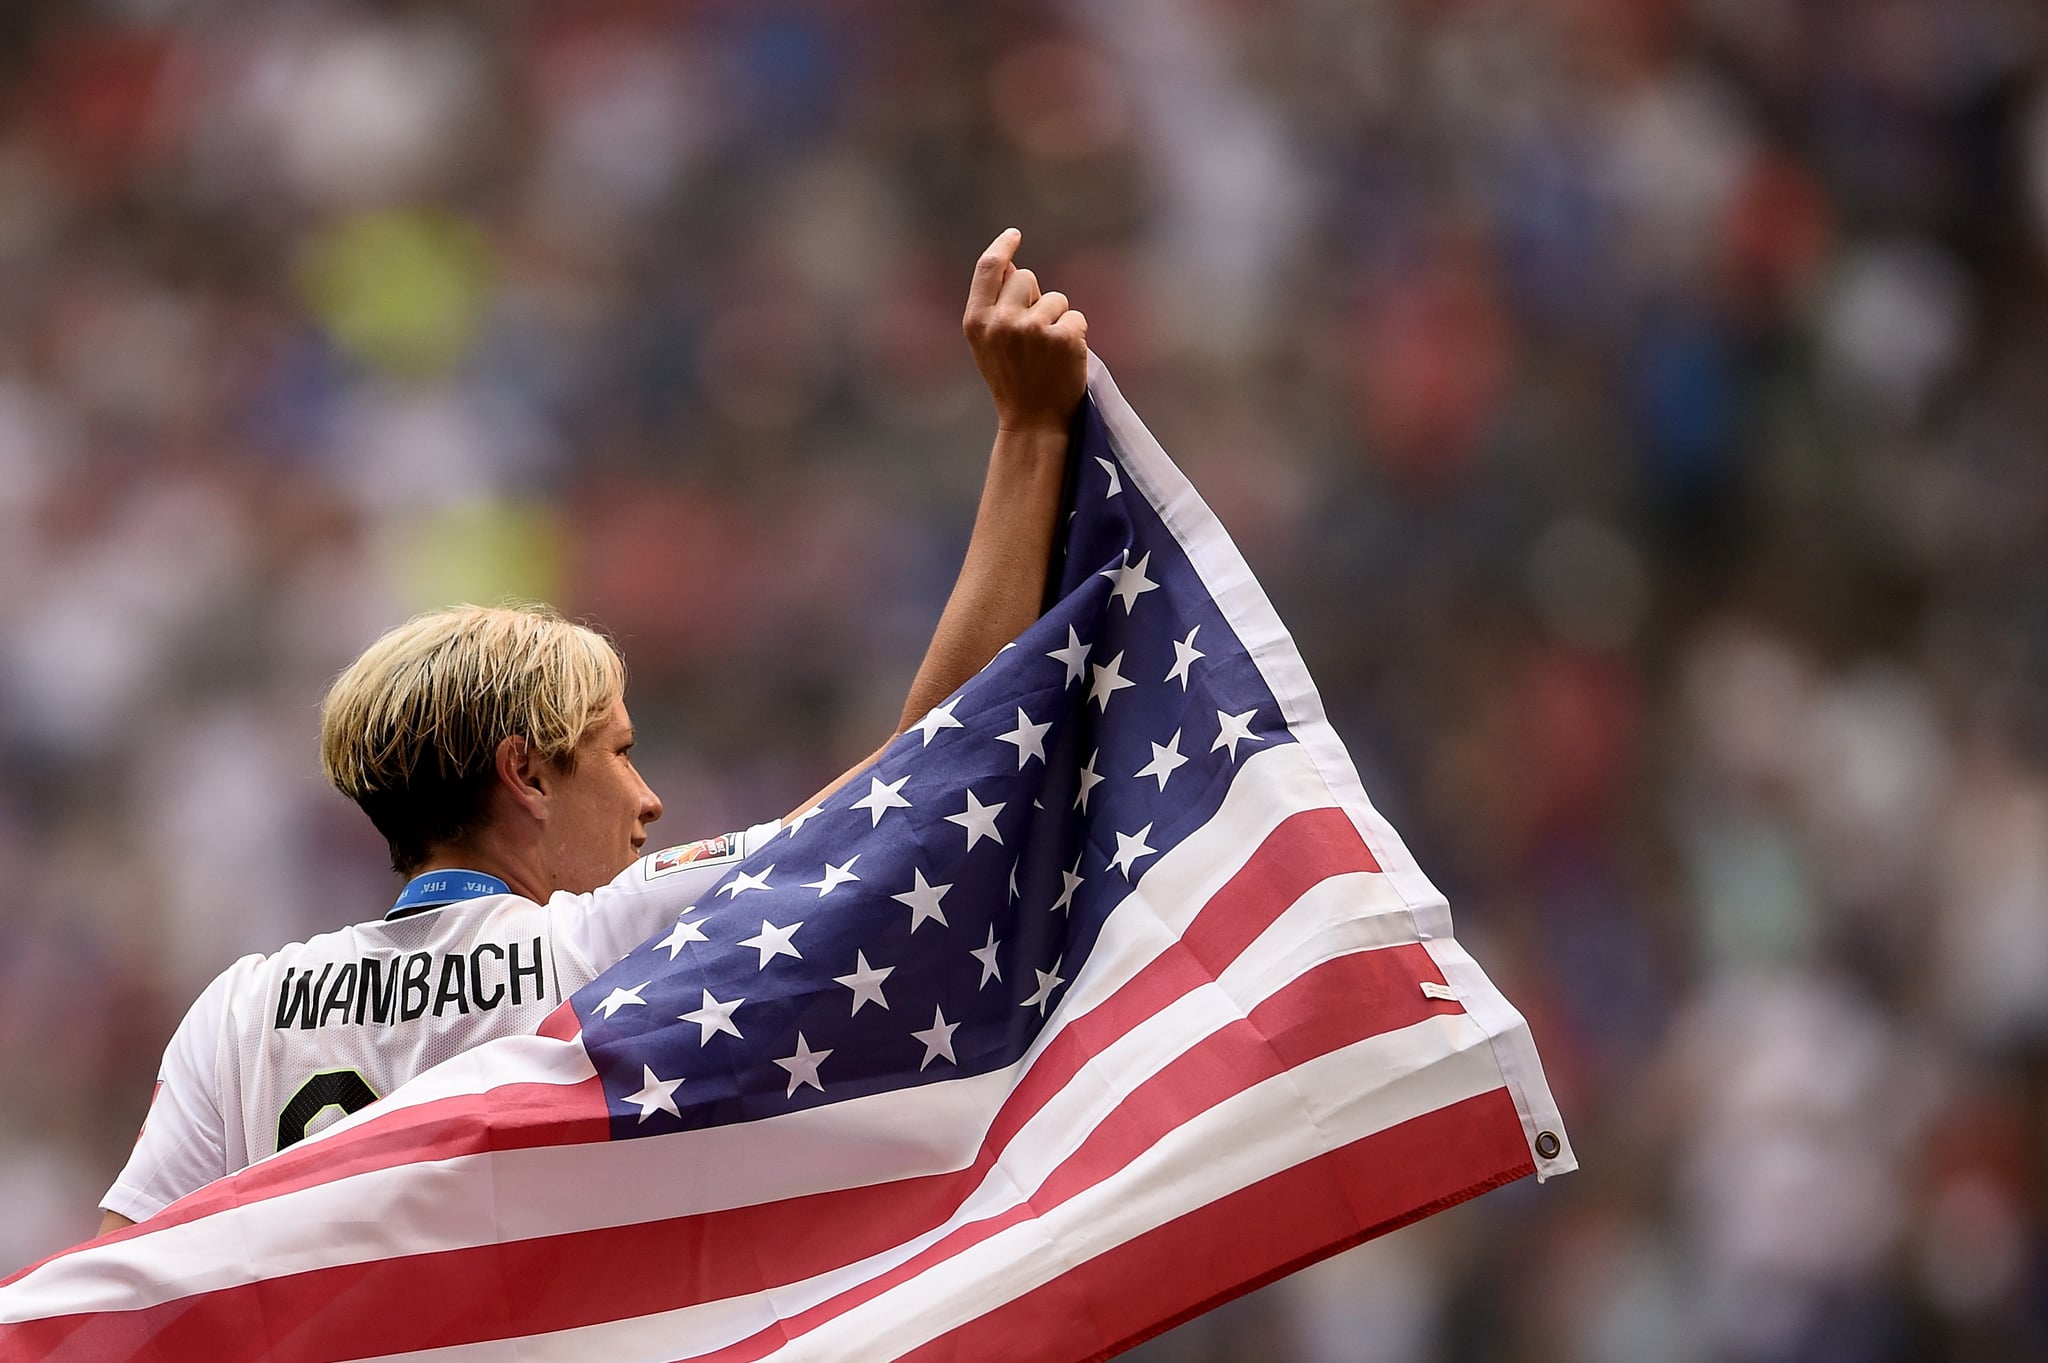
x: 183, y: 1143
x: 646, y: 897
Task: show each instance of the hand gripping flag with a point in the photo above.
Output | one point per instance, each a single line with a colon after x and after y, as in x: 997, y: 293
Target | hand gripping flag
x: 1102, y: 997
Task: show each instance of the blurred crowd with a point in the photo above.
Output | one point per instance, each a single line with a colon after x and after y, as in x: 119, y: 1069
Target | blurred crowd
x: 1637, y: 408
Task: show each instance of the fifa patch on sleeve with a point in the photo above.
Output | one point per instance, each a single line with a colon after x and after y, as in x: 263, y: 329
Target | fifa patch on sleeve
x: 704, y: 852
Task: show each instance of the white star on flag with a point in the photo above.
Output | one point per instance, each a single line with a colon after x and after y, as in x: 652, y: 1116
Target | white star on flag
x: 1166, y: 760
x: 1185, y: 654
x: 1131, y: 582
x: 1129, y: 847
x: 621, y: 998
x: 1089, y: 781
x: 835, y: 876
x: 1109, y: 679
x: 865, y: 982
x: 1233, y: 729
x: 1065, y: 902
x: 1048, y: 980
x: 800, y: 820
x: 772, y: 941
x: 979, y: 820
x: 986, y: 954
x: 937, y: 718
x: 882, y: 795
x: 1028, y: 738
x: 923, y: 900
x: 1116, y: 484
x: 803, y: 1067
x: 743, y: 882
x: 659, y: 1094
x: 680, y: 936
x: 937, y: 1039
x: 1074, y: 657
x: 712, y: 1017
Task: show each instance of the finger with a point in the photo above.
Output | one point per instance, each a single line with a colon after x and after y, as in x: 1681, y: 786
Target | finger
x: 993, y: 268
x: 1049, y: 307
x: 1073, y: 322
x: 1020, y: 290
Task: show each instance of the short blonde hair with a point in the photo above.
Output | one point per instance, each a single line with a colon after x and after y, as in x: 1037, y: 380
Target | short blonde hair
x: 410, y: 729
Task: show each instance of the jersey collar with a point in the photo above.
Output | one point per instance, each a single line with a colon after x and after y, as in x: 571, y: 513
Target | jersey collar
x: 438, y: 889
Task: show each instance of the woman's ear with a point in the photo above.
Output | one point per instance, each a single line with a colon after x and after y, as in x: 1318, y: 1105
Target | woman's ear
x: 522, y: 776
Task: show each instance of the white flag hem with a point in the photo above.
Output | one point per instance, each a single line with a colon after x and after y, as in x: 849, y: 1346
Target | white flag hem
x: 1251, y: 616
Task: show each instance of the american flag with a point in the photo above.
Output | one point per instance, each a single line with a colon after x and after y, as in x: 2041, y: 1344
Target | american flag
x: 1102, y: 997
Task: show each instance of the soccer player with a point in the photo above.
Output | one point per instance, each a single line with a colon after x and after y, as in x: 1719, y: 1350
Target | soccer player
x: 493, y: 750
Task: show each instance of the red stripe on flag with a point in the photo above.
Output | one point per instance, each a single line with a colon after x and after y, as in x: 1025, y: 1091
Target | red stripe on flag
x: 485, y: 1292
x: 511, y: 1116
x: 1250, y: 1238
x: 562, y: 1024
x: 1301, y: 852
x: 508, y: 1117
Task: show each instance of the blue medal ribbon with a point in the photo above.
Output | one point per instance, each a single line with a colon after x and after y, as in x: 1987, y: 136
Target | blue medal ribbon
x: 438, y: 889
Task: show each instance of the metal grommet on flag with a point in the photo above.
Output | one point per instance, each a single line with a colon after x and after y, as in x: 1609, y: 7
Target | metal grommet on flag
x: 1547, y: 1144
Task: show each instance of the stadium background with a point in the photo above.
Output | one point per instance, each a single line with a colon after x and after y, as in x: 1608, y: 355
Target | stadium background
x: 1636, y: 407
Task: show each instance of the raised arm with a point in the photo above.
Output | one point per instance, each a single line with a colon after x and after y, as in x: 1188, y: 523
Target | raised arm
x: 1032, y: 350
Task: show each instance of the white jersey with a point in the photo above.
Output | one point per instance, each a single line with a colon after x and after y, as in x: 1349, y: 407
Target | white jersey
x: 280, y: 1046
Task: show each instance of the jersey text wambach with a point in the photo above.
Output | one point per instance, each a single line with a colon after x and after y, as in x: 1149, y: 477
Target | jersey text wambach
x: 402, y: 988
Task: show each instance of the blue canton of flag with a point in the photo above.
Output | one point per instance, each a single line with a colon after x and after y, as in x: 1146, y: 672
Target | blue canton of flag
x: 923, y: 922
